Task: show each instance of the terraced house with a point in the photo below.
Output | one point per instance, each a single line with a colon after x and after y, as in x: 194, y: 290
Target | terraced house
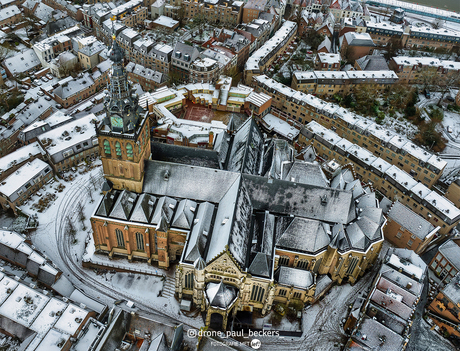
x: 300, y: 109
x: 215, y: 11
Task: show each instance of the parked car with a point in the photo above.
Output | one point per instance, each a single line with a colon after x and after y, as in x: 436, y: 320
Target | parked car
x: 427, y: 94
x: 40, y: 93
x: 49, y: 76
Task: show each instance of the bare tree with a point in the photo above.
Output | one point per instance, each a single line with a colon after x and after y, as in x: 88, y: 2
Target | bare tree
x: 81, y: 215
x: 90, y: 193
x: 71, y: 228
x: 94, y: 182
x: 446, y: 82
x: 438, y: 23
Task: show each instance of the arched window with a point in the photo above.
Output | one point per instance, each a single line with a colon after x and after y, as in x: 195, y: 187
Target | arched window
x: 107, y: 150
x: 257, y: 293
x: 120, y: 239
x: 283, y: 261
x: 118, y: 149
x: 189, y: 280
x: 129, y: 151
x: 302, y: 264
x: 140, y: 241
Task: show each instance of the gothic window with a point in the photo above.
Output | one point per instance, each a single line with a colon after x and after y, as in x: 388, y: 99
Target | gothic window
x: 257, y: 293
x: 129, y: 151
x: 297, y: 295
x: 282, y: 292
x: 120, y: 239
x: 107, y: 148
x: 189, y: 280
x: 118, y: 149
x: 352, y: 264
x: 302, y: 264
x: 283, y: 261
x: 140, y: 241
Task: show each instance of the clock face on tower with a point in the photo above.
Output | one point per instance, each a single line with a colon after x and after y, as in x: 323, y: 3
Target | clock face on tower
x: 116, y: 121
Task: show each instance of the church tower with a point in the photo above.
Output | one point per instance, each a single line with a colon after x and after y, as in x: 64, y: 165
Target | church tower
x: 124, y: 135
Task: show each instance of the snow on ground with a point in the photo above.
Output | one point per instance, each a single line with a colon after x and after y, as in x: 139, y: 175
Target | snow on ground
x: 141, y: 288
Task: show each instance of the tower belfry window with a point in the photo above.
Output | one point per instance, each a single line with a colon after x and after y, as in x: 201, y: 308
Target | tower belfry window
x: 129, y: 151
x: 107, y: 150
x: 118, y: 149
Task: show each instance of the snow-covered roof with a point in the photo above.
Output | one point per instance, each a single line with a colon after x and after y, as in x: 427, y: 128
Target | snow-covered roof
x: 451, y: 251
x: 20, y: 155
x: 411, y: 221
x: 23, y: 305
x: 166, y: 21
x: 329, y: 58
x: 407, y: 266
x: 71, y: 319
x: 22, y: 62
x: 70, y: 134
x: 8, y: 12
x: 299, y: 278
x: 22, y: 176
x: 270, y: 46
x: 281, y: 127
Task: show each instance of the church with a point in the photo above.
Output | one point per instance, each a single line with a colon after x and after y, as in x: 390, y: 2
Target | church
x: 247, y: 224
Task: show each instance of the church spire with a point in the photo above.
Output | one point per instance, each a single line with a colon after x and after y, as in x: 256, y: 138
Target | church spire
x: 123, y: 113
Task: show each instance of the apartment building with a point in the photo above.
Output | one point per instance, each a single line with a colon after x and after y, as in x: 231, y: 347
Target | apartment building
x: 356, y: 45
x: 259, y: 61
x: 391, y: 181
x: 70, y: 144
x: 147, y: 78
x: 453, y: 191
x: 327, y: 62
x: 70, y: 91
x: 406, y: 229
x: 259, y: 28
x: 9, y: 16
x: 389, y: 309
x: 421, y: 37
x: 382, y: 32
x: 217, y: 11
x: 232, y: 42
x: 22, y: 64
x: 88, y: 55
x: 395, y: 149
x: 330, y: 83
x: 252, y: 8
x: 444, y: 310
x: 419, y: 70
x: 182, y: 59
x: 204, y: 70
x: 16, y: 188
x: 446, y: 263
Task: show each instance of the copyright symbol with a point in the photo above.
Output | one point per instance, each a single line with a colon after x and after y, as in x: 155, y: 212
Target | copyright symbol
x: 192, y: 333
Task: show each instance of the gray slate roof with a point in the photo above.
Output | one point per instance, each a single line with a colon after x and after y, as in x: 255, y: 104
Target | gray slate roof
x: 451, y: 250
x: 220, y: 295
x: 298, y: 278
x: 373, y: 63
x: 410, y: 220
x: 260, y: 265
x: 305, y: 235
x: 124, y: 205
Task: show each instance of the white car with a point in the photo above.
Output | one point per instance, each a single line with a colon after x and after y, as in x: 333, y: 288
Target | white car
x: 49, y: 76
x: 40, y: 93
x: 44, y: 79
